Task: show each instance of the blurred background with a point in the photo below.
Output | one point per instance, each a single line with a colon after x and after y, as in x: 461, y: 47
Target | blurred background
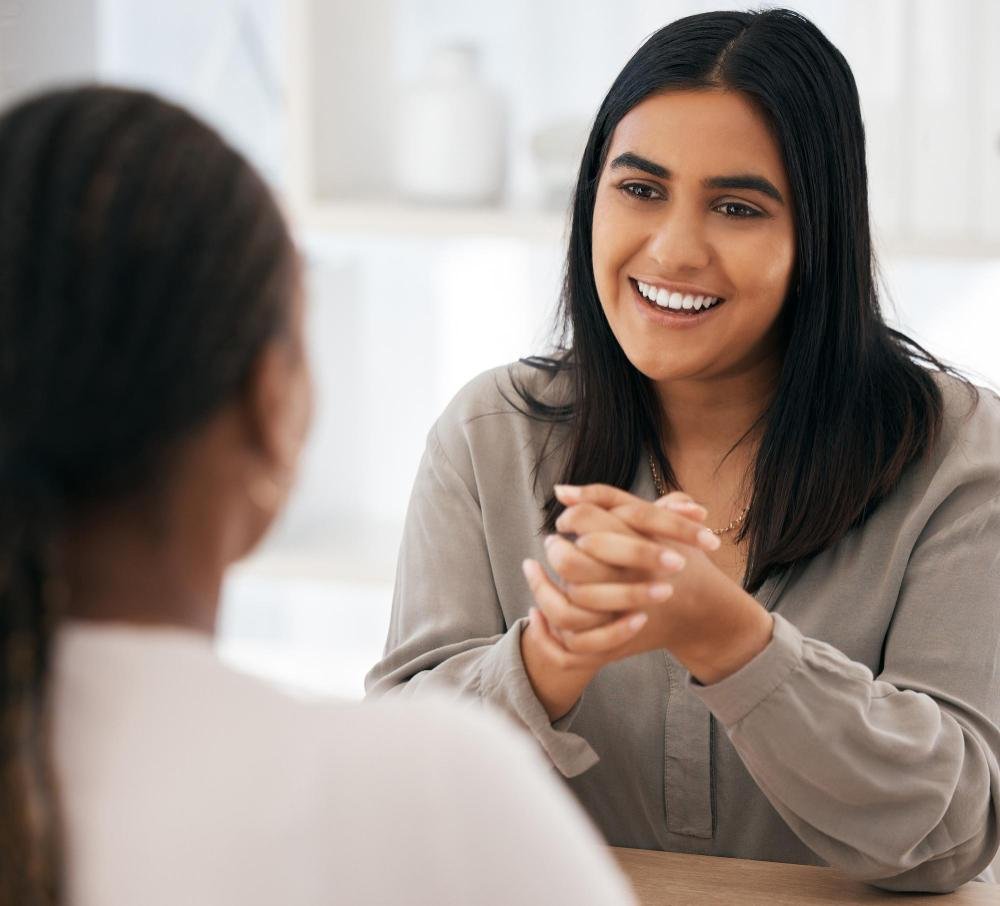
x: 424, y: 150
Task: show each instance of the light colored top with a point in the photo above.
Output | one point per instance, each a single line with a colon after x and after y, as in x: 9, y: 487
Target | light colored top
x: 865, y: 736
x: 184, y: 782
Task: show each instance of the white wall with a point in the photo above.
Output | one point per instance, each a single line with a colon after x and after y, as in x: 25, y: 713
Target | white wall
x: 44, y: 42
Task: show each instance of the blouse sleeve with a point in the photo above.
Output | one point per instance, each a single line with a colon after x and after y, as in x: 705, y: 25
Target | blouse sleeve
x: 893, y: 780
x: 447, y: 631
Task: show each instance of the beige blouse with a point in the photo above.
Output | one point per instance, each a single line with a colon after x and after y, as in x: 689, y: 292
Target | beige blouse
x: 865, y: 736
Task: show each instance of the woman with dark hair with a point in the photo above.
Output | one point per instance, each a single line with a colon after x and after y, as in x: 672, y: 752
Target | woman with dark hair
x: 803, y: 665
x: 155, y: 397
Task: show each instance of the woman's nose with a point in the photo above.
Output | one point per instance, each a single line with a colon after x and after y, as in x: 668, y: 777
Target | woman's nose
x: 678, y: 242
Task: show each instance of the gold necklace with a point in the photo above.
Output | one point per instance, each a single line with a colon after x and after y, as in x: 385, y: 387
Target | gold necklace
x: 661, y: 490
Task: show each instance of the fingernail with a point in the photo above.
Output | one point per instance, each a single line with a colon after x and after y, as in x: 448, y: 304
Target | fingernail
x: 660, y: 592
x: 637, y: 622
x: 549, y: 541
x: 567, y: 492
x: 526, y: 568
x: 672, y: 560
x: 708, y: 540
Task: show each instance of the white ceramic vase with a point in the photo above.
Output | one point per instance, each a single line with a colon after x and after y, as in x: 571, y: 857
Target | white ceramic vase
x: 449, y: 146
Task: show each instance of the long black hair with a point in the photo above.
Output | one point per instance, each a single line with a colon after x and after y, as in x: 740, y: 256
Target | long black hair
x: 855, y: 401
x: 143, y: 266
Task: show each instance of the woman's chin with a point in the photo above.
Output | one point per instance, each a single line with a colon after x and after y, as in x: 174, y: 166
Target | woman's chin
x: 660, y: 368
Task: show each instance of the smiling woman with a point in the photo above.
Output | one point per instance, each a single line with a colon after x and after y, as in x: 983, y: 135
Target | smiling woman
x: 792, y: 654
x: 708, y: 224
x: 694, y: 248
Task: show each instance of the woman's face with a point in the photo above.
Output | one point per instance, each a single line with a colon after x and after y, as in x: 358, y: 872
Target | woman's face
x: 693, y: 206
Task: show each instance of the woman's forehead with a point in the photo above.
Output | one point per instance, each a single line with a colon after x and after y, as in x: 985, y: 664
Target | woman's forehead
x: 700, y: 133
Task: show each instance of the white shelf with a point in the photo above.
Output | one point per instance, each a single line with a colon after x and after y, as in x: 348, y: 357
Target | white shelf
x: 932, y: 124
x: 939, y: 249
x: 406, y: 219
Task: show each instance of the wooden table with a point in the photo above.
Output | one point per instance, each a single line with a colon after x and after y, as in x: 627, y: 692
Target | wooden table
x: 676, y: 879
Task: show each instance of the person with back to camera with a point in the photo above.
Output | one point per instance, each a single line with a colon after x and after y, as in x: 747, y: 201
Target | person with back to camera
x: 793, y: 654
x: 155, y: 397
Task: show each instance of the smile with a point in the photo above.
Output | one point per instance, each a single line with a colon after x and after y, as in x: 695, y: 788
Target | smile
x: 674, y: 301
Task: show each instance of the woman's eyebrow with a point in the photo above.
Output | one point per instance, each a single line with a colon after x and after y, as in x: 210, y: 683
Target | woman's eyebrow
x: 745, y: 181
x: 750, y: 181
x: 634, y: 162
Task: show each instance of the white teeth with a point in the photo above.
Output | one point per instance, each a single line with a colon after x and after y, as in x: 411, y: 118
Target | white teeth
x: 675, y: 301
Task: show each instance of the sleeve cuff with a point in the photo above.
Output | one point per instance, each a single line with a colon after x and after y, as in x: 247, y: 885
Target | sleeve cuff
x: 733, y: 698
x: 505, y: 684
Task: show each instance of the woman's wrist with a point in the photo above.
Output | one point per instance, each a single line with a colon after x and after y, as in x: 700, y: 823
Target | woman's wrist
x: 737, y: 635
x: 557, y: 685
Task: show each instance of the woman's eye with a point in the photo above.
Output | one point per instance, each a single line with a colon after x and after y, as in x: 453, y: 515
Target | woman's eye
x: 640, y: 190
x: 738, y: 210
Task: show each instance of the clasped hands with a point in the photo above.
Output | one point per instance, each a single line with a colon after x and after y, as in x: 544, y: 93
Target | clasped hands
x: 634, y: 576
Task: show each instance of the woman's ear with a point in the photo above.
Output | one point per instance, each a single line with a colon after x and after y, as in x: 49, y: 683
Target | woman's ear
x: 278, y: 406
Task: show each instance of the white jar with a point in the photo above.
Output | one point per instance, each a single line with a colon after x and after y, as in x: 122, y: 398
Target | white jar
x: 449, y: 146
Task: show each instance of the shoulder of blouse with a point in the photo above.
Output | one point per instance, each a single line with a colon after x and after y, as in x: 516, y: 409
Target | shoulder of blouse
x: 970, y: 427
x: 498, y: 391
x: 490, y: 417
x: 962, y: 470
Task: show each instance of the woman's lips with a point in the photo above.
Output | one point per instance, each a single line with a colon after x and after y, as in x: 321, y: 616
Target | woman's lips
x: 676, y: 297
x: 672, y: 316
